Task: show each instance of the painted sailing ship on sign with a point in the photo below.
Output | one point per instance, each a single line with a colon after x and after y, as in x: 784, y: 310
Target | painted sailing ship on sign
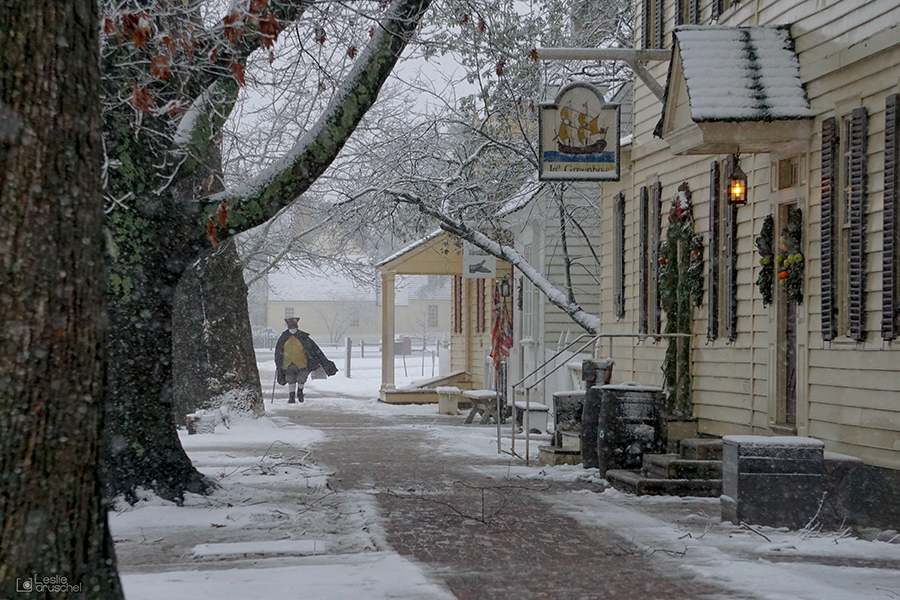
x: 579, y: 136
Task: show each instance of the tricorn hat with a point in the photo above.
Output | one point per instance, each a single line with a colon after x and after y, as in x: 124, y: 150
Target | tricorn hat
x: 292, y: 321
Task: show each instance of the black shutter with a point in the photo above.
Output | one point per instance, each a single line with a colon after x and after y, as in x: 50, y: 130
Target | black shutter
x: 646, y: 23
x: 859, y: 167
x: 715, y: 247
x: 656, y: 208
x: 716, y: 9
x: 890, y: 300
x: 679, y: 12
x: 830, y: 143
x: 659, y: 37
x: 695, y: 12
x: 730, y: 263
x: 643, y: 257
x: 619, y: 267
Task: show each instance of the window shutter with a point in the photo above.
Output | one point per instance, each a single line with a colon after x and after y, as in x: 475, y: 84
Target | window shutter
x: 859, y: 167
x: 619, y: 266
x: 695, y: 12
x: 715, y: 246
x: 730, y: 264
x: 828, y: 206
x: 655, y: 207
x: 679, y: 12
x: 643, y: 257
x: 660, y: 14
x: 889, y: 275
x: 716, y: 9
x: 646, y: 21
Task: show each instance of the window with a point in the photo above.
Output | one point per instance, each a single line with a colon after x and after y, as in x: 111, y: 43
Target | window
x: 457, y: 304
x: 288, y: 312
x: 715, y: 245
x: 432, y: 318
x: 354, y: 320
x: 652, y: 15
x: 619, y: 267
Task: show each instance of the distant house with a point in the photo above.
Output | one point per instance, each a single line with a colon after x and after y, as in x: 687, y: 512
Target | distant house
x: 331, y: 306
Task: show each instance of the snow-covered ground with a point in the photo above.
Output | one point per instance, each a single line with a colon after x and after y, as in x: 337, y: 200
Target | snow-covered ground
x: 276, y: 530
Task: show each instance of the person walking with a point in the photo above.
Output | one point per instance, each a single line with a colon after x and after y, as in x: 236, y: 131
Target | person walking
x: 296, y: 356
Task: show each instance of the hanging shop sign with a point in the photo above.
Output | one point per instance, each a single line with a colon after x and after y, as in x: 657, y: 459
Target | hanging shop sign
x: 478, y: 264
x: 579, y: 135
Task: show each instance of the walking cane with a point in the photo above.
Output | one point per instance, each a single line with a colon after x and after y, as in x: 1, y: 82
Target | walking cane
x: 273, y: 388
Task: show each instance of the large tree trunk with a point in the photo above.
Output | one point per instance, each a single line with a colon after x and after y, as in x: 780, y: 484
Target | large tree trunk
x: 52, y: 516
x: 213, y: 359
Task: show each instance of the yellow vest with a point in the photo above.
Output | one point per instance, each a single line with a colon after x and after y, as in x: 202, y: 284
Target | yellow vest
x: 294, y: 353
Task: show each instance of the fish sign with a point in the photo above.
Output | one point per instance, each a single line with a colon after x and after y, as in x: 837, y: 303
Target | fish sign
x: 579, y: 135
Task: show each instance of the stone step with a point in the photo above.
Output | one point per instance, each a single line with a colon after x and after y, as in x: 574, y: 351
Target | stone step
x: 701, y: 449
x: 556, y: 455
x: 634, y: 483
x: 673, y: 466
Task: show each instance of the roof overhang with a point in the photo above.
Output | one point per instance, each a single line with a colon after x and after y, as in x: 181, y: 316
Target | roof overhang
x: 734, y: 89
x: 435, y: 254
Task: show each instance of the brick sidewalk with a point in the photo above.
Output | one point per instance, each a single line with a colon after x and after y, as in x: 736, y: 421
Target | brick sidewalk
x: 446, y: 515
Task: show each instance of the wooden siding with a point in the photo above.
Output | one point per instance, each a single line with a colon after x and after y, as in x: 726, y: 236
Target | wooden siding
x: 848, y: 393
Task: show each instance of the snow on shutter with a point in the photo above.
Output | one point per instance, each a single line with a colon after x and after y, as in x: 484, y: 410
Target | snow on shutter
x: 730, y: 263
x: 715, y: 245
x: 660, y: 15
x: 643, y: 257
x: 830, y: 142
x: 619, y: 252
x: 890, y: 299
x: 646, y: 20
x: 859, y: 167
x: 656, y: 208
x: 695, y: 12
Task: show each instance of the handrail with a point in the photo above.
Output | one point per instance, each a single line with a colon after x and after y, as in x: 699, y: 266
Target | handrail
x: 593, y: 339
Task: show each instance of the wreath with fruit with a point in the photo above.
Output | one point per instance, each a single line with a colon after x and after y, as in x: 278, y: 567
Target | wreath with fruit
x: 784, y: 263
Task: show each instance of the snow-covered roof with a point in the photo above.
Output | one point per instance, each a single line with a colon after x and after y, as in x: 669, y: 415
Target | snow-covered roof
x: 410, y: 247
x: 741, y: 73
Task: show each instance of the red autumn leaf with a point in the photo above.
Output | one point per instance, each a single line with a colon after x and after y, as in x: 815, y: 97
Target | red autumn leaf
x: 268, y: 30
x: 109, y: 26
x: 257, y: 6
x: 319, y: 35
x: 237, y: 69
x: 271, y: 57
x: 137, y: 28
x: 351, y: 51
x: 533, y: 54
x: 214, y: 55
x: 371, y: 31
x: 322, y: 86
x: 211, y: 234
x: 499, y: 68
x: 222, y: 213
x: 141, y: 99
x: 188, y: 44
x: 233, y: 27
x: 482, y: 26
x: 159, y: 67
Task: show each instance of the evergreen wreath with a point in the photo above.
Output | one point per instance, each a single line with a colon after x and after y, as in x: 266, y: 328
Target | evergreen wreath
x: 764, y: 245
x: 680, y: 289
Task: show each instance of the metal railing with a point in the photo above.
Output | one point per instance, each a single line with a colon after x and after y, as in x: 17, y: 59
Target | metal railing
x: 527, y: 389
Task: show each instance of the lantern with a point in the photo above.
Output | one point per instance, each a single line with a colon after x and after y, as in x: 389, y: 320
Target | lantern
x: 737, y: 185
x: 504, y: 287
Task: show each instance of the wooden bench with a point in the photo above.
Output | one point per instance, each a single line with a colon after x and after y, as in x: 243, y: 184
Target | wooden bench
x: 484, y: 403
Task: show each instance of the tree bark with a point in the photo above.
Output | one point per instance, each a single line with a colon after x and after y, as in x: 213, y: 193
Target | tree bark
x: 53, y: 519
x: 213, y: 359
x: 159, y: 233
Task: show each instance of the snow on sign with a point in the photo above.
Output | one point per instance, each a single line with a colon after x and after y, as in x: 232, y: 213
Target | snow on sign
x: 478, y: 264
x: 579, y: 136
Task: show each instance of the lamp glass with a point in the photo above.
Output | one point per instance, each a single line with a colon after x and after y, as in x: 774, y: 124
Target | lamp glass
x: 737, y: 187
